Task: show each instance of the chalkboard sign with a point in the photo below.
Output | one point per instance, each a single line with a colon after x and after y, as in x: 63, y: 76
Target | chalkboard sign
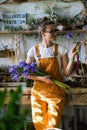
x: 14, y: 19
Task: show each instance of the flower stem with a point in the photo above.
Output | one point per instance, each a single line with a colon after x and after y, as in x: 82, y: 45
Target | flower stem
x: 78, y: 47
x: 63, y: 86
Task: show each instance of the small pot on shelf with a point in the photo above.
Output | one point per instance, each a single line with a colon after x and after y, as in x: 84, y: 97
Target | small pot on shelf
x: 19, y: 1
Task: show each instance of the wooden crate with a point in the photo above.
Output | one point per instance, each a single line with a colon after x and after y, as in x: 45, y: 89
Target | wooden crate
x: 7, y: 53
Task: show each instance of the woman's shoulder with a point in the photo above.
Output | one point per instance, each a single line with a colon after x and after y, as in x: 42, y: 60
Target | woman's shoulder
x: 34, y: 47
x: 62, y: 49
x: 31, y: 50
x: 61, y: 46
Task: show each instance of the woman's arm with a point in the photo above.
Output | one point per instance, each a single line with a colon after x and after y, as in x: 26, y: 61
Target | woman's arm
x: 29, y: 60
x: 68, y: 64
x: 45, y: 79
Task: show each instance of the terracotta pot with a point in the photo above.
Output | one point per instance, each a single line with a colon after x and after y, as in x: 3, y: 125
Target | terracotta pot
x: 53, y: 129
x: 19, y: 1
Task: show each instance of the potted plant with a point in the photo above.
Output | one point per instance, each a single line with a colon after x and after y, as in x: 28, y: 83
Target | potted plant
x: 19, y: 1
x: 13, y: 116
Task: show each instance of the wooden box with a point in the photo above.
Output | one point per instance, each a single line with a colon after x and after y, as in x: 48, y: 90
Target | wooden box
x: 7, y: 53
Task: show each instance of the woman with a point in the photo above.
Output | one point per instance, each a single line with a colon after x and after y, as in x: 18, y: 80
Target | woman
x: 48, y: 100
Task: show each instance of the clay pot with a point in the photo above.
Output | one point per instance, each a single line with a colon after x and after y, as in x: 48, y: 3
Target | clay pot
x: 19, y: 1
x: 53, y: 129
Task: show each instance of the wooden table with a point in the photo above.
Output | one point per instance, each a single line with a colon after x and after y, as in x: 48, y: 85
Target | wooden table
x: 25, y: 100
x: 78, y: 100
x: 79, y: 96
x: 79, y: 103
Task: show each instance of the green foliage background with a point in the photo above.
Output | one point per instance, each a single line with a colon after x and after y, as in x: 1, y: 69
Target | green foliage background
x: 12, y: 117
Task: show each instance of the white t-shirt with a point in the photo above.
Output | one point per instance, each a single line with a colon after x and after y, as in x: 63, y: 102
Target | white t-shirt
x: 48, y: 52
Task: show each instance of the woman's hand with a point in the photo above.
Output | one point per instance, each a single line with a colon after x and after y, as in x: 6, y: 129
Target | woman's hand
x: 47, y: 79
x: 74, y: 51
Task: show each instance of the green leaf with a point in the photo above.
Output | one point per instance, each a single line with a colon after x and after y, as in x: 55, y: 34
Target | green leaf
x: 14, y: 103
x: 2, y: 97
x: 13, y: 117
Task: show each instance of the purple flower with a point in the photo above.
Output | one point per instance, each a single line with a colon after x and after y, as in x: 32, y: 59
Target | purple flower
x: 13, y: 68
x: 24, y: 69
x: 22, y: 64
x: 70, y: 36
x: 33, y: 69
x: 27, y: 67
x: 34, y: 64
x: 25, y: 73
x: 15, y: 77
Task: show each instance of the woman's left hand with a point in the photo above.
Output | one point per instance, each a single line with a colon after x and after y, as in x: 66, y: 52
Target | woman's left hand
x: 74, y: 51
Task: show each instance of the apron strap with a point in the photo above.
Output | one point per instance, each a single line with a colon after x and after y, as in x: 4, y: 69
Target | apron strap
x: 37, y: 50
x: 56, y: 50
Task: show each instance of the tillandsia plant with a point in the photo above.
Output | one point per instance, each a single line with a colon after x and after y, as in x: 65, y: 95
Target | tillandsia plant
x: 78, y: 66
x: 24, y: 69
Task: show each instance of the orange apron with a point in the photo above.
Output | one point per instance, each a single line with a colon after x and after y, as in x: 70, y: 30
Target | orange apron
x: 47, y: 100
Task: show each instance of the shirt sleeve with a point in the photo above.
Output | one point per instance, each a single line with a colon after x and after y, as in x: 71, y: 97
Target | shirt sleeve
x: 62, y: 50
x: 31, y: 52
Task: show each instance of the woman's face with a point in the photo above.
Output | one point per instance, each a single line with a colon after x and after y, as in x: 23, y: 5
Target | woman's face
x: 50, y: 33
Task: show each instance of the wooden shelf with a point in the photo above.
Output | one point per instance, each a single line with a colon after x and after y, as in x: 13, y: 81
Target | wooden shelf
x: 19, y: 32
x: 36, y: 32
x: 12, y: 2
x: 74, y: 31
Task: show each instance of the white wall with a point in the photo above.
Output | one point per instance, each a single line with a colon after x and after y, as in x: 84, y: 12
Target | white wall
x: 37, y: 10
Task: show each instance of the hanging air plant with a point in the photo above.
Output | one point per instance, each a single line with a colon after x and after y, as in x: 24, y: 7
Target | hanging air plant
x: 51, y: 14
x: 33, y: 23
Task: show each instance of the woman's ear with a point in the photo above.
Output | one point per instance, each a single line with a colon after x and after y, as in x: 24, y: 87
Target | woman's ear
x: 42, y: 33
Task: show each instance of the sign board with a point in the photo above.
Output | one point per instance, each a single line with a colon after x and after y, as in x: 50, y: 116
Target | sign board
x: 14, y: 19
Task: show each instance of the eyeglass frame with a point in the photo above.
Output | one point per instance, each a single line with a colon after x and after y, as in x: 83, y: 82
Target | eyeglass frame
x: 51, y: 31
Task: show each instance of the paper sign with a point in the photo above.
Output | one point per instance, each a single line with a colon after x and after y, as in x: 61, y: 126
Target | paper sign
x: 14, y: 19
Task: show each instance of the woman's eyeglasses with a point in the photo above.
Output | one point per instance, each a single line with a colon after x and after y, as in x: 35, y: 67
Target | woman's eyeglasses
x: 51, y: 31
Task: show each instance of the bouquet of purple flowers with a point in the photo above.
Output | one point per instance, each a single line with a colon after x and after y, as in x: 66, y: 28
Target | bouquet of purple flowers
x: 23, y: 70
